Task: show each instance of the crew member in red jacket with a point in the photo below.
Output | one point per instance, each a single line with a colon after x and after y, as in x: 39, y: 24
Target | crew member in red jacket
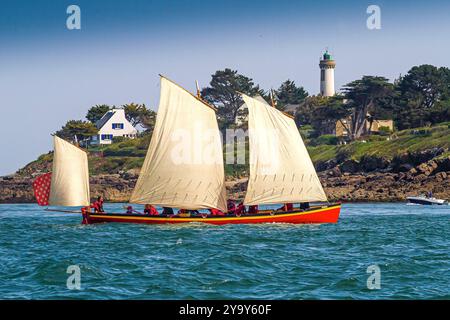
x: 240, y: 208
x: 231, y: 206
x: 216, y: 212
x: 98, y: 205
x: 150, y: 210
x: 253, y: 209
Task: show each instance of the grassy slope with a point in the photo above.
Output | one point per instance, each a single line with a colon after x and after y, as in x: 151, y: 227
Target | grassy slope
x: 402, y: 141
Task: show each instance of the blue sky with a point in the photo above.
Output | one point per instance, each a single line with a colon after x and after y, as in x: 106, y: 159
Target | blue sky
x: 49, y: 74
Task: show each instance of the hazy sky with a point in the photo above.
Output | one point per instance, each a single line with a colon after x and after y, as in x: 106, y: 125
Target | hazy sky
x: 49, y: 74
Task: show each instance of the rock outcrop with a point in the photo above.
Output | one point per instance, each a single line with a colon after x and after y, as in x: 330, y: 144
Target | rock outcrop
x: 433, y: 175
x: 113, y: 187
x: 365, y: 180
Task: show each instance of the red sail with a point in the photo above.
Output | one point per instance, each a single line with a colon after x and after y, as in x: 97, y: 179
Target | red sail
x: 41, y: 187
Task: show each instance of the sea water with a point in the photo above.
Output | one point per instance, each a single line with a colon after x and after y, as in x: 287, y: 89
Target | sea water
x: 406, y: 248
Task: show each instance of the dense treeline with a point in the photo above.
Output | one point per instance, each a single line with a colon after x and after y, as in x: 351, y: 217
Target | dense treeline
x: 420, y: 98
x: 417, y: 99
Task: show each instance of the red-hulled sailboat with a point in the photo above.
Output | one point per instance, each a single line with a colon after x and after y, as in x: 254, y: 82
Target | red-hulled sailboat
x: 184, y: 167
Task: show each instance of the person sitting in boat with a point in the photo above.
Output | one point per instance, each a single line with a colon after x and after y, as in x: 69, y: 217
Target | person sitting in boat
x: 430, y: 194
x: 150, y: 210
x: 216, y: 212
x: 185, y: 213
x: 130, y: 210
x: 98, y: 205
x: 168, y: 211
x: 253, y: 209
x: 286, y: 207
x: 231, y: 206
x: 304, y: 205
x: 240, y: 209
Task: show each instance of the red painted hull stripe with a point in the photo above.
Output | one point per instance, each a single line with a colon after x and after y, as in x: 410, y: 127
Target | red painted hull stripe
x: 322, y: 215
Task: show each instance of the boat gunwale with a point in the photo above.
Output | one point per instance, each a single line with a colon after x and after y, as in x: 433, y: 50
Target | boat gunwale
x: 266, y: 213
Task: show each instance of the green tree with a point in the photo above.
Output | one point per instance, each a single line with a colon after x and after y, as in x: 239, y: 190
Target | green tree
x: 148, y: 120
x: 365, y: 97
x: 419, y: 92
x: 326, y: 111
x: 80, y: 129
x: 446, y: 75
x: 440, y: 112
x: 289, y: 93
x: 96, y: 112
x: 425, y: 82
x: 137, y: 114
x: 305, y: 111
x: 222, y: 92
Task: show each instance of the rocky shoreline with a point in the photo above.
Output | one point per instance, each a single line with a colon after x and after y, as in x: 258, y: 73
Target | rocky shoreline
x: 377, y: 186
x: 369, y: 180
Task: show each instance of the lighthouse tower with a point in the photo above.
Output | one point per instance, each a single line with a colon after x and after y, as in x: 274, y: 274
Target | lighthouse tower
x: 327, y: 65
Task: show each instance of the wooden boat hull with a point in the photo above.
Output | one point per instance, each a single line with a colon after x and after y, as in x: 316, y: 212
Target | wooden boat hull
x: 314, y: 215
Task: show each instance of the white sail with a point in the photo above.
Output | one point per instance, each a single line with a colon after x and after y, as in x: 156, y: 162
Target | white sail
x: 281, y: 170
x: 261, y: 99
x: 70, y: 175
x: 184, y: 163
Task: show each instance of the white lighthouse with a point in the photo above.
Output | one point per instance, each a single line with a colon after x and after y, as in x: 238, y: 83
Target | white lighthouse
x: 327, y: 65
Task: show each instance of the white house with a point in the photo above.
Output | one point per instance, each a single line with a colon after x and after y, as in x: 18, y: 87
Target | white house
x: 113, y: 124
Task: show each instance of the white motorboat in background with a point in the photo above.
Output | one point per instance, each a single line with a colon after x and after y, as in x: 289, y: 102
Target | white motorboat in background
x: 424, y: 200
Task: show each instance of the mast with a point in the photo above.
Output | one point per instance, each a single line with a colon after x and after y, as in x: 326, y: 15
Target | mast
x: 183, y: 167
x: 198, y: 90
x: 272, y: 99
x: 281, y: 170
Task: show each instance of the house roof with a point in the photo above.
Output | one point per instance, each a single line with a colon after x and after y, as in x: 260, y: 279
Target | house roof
x: 100, y: 123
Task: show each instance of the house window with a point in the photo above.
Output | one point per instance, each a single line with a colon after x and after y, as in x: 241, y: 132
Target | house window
x: 107, y: 136
x: 117, y: 126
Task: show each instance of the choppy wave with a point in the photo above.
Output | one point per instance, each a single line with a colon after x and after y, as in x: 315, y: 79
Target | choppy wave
x: 198, y: 261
